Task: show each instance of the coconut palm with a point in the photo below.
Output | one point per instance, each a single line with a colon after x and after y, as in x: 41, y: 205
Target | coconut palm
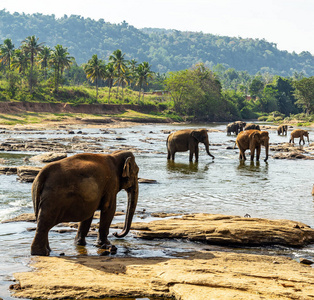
x: 60, y: 60
x: 132, y: 69
x: 43, y: 59
x: 6, y: 52
x: 20, y: 61
x: 95, y: 70
x: 143, y: 73
x: 109, y: 76
x: 119, y: 63
x: 31, y: 47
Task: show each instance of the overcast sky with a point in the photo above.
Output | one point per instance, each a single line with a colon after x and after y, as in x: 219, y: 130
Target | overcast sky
x: 287, y: 23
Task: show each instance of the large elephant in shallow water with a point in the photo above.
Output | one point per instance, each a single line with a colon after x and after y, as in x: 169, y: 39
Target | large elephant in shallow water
x: 70, y: 190
x: 299, y: 133
x: 187, y: 139
x: 253, y: 140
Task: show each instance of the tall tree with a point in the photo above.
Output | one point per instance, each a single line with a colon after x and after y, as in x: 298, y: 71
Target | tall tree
x: 20, y: 61
x: 304, y: 92
x: 43, y: 59
x: 31, y: 47
x: 95, y: 70
x: 6, y: 52
x: 143, y: 73
x: 119, y: 63
x: 109, y: 77
x: 60, y: 60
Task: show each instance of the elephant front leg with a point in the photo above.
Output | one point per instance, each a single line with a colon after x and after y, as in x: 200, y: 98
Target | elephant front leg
x: 106, y: 216
x: 83, y: 231
x: 258, y: 153
x: 196, y: 153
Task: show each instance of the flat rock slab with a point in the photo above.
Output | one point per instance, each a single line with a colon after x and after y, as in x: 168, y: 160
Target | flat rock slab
x: 228, y: 230
x: 198, y: 275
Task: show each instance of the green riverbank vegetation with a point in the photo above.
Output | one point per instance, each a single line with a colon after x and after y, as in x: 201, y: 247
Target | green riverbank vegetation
x: 33, y: 72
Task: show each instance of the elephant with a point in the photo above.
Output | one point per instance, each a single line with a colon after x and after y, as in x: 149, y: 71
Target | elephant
x: 299, y: 133
x: 187, y: 139
x: 252, y: 126
x: 73, y: 188
x: 253, y: 139
x: 241, y: 125
x: 282, y: 129
x: 235, y: 127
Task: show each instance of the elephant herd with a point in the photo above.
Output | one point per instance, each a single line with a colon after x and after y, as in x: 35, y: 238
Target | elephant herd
x: 72, y: 189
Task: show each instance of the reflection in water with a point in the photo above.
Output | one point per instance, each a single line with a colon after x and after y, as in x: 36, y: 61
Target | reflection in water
x: 252, y: 166
x: 190, y: 168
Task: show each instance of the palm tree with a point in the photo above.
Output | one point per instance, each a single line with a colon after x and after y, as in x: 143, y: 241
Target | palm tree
x: 109, y: 76
x: 6, y: 52
x: 31, y: 47
x: 143, y: 73
x: 95, y: 70
x: 20, y: 61
x: 119, y: 63
x: 132, y: 68
x: 60, y: 60
x: 43, y: 59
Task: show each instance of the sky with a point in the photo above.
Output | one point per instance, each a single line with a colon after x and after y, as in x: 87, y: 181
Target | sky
x: 287, y: 23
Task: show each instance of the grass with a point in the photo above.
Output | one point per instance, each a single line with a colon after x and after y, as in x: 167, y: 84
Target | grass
x: 38, y: 118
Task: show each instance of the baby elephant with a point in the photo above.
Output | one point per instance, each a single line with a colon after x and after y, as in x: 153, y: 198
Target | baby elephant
x: 299, y: 133
x: 187, y: 139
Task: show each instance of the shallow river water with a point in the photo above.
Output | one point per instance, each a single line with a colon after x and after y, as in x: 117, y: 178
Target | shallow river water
x: 278, y: 189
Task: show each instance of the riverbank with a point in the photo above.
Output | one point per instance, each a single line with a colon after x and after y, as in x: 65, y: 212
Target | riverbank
x: 204, y: 274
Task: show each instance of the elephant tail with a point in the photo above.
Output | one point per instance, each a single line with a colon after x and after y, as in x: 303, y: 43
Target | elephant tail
x: 37, y: 188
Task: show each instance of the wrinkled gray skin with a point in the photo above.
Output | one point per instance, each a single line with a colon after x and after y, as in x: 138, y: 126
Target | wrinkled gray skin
x: 187, y: 140
x: 72, y: 189
x: 282, y: 129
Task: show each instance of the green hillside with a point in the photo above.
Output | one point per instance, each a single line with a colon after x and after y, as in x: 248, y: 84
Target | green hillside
x: 165, y: 50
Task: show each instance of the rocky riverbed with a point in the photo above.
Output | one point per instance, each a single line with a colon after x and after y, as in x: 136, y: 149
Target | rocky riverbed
x: 205, y: 274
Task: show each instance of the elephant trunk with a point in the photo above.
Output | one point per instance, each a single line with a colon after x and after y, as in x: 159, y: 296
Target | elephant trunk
x: 266, y: 150
x: 207, y: 150
x: 132, y: 202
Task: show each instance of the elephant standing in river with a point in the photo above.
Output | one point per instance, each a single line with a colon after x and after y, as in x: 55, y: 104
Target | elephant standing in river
x: 282, y: 129
x: 299, y: 133
x: 253, y: 139
x: 235, y: 127
x: 187, y: 139
x: 72, y: 189
x: 252, y: 126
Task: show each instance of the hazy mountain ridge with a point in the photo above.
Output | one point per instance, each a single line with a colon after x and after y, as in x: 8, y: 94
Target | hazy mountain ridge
x: 166, y: 50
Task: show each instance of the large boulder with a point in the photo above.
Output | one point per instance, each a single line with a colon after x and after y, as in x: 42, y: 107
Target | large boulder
x: 27, y: 174
x: 227, y: 230
x: 49, y: 157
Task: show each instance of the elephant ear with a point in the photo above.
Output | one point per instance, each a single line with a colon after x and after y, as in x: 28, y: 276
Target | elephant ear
x: 197, y: 135
x: 126, y: 167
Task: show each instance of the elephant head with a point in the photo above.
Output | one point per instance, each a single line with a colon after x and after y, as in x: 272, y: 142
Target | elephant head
x: 129, y: 182
x: 201, y: 136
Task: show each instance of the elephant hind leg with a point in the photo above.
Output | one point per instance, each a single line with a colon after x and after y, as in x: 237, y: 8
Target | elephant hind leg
x: 83, y: 231
x: 40, y: 244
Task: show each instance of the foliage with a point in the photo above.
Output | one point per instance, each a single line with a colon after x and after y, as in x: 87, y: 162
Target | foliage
x: 165, y: 50
x: 304, y: 92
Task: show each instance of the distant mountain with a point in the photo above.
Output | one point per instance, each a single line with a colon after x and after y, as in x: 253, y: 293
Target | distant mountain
x: 165, y: 50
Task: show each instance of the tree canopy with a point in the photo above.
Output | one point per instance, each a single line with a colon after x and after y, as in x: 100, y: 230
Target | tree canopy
x: 165, y: 50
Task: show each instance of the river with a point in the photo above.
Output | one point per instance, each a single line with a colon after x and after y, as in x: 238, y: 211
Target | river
x: 278, y: 189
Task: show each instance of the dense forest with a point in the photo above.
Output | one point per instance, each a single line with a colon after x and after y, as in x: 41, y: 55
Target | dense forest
x: 165, y: 50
